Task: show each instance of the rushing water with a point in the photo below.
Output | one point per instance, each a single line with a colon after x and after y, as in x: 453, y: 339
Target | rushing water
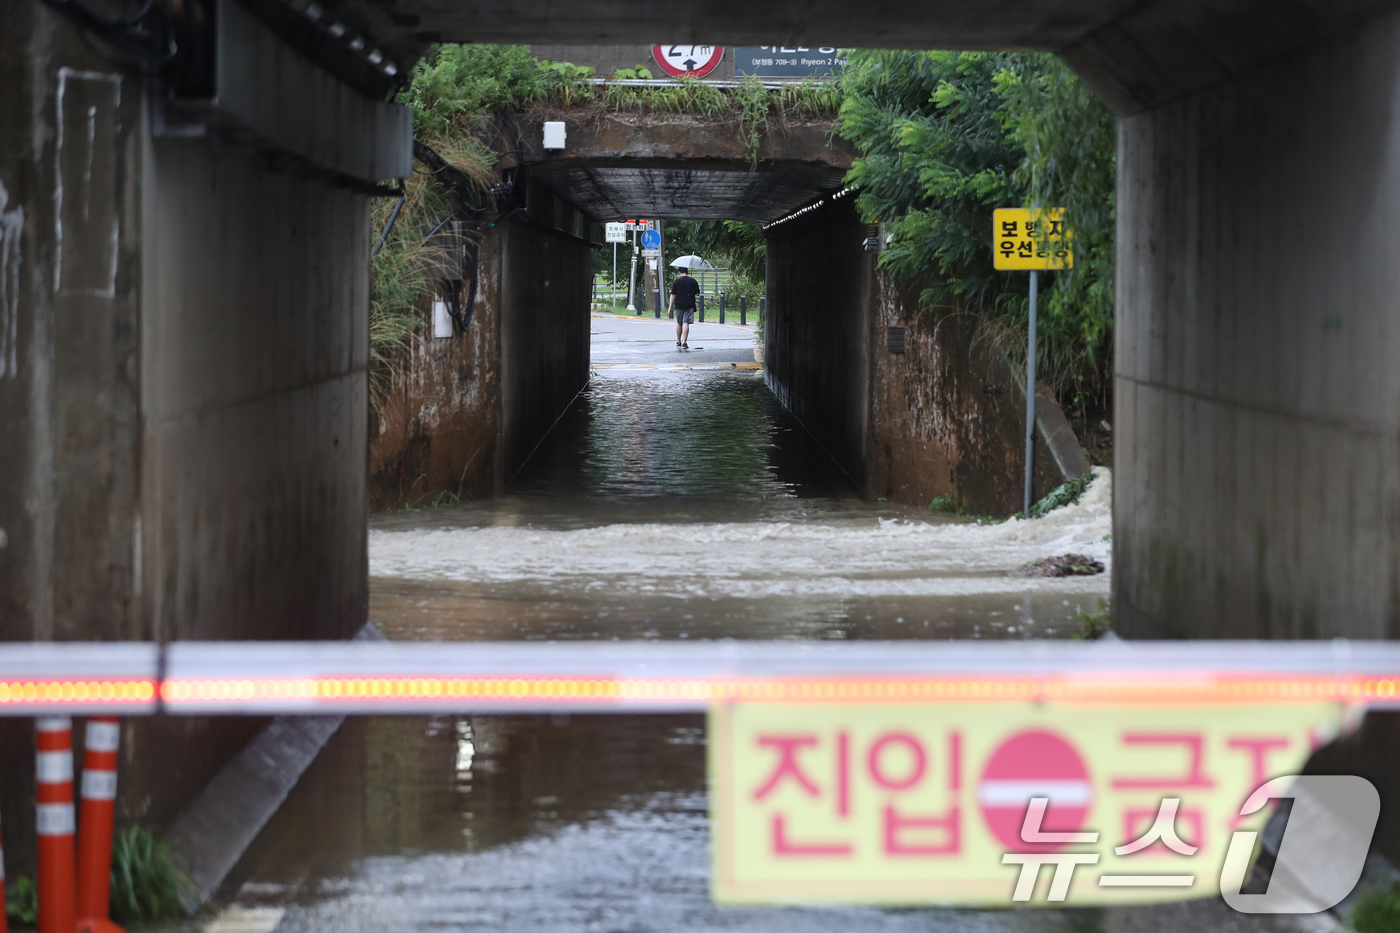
x: 664, y: 505
x: 690, y: 505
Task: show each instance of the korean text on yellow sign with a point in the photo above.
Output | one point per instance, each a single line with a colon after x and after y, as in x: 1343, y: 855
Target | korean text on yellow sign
x: 926, y: 803
x: 1031, y: 239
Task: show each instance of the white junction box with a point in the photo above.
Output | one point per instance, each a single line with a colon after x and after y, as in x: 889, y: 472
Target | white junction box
x: 442, y: 321
x: 554, y: 134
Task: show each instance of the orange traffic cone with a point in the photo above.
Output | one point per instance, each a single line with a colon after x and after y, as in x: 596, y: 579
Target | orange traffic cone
x: 95, y: 825
x: 54, y: 740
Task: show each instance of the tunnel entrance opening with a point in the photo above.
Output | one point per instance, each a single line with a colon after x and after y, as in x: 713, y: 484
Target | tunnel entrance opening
x: 226, y: 496
x: 706, y: 491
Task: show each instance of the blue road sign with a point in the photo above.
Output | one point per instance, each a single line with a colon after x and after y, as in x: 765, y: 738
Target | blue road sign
x: 651, y: 239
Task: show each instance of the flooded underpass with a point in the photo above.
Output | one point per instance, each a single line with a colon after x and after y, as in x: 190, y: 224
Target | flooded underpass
x: 690, y: 505
x: 664, y: 505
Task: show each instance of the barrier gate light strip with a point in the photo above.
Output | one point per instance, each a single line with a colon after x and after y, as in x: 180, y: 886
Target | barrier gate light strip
x: 270, y: 678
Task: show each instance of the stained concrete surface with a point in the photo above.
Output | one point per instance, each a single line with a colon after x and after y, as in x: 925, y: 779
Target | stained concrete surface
x: 1258, y: 400
x: 948, y: 414
x: 679, y: 166
x: 463, y: 412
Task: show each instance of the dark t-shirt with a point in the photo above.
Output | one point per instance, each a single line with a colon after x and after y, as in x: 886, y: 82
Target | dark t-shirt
x: 685, y: 289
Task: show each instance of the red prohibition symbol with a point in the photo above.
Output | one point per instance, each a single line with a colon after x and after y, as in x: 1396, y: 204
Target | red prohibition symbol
x: 694, y: 61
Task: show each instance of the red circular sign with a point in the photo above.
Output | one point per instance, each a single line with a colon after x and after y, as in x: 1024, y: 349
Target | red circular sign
x: 693, y: 61
x: 1030, y: 764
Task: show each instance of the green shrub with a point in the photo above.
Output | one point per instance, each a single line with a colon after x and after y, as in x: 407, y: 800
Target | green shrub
x: 1377, y: 912
x: 948, y: 137
x: 146, y: 880
x: 1063, y: 494
x: 946, y: 504
x: 22, y: 900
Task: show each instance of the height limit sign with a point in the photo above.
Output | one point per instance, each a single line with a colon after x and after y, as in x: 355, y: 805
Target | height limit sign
x: 694, y: 61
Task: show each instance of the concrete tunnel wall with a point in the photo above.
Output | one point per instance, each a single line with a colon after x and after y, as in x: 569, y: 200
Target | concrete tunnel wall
x: 816, y: 353
x: 470, y: 408
x: 182, y: 405
x: 1257, y: 489
x: 945, y: 415
x: 546, y: 288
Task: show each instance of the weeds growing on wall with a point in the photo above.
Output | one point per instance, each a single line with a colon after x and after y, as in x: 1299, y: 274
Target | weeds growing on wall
x: 947, y: 137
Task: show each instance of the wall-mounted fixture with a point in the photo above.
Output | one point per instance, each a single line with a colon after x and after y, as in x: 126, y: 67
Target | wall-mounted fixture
x: 554, y: 134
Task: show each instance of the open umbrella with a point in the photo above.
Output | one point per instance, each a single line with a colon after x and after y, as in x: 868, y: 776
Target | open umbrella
x: 691, y: 262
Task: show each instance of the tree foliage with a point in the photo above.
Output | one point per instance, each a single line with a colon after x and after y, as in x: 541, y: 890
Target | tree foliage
x: 947, y: 137
x: 732, y: 244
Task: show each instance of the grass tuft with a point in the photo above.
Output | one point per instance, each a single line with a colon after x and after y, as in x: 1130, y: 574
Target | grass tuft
x: 146, y: 879
x: 1095, y: 625
x: 22, y: 900
x: 1377, y: 911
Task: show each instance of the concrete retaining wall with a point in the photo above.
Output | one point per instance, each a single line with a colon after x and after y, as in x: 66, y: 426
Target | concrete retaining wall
x: 472, y: 407
x: 946, y: 415
x: 182, y: 407
x: 949, y: 413
x: 438, y: 428
x: 1257, y: 478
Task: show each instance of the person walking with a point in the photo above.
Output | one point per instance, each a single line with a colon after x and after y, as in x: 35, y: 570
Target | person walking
x: 683, y: 292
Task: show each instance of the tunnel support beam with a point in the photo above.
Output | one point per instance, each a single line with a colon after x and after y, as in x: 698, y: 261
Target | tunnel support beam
x: 1258, y: 398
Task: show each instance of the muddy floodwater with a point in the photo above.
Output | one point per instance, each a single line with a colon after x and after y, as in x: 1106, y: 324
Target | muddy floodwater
x: 691, y: 505
x: 664, y: 505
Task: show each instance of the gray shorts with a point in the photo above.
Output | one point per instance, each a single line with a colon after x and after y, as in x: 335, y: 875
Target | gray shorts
x: 686, y: 316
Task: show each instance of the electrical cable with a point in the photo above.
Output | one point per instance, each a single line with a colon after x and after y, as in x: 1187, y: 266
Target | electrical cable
x: 389, y: 226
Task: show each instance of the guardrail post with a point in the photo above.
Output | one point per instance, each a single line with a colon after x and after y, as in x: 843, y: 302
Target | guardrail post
x: 55, y: 823
x: 98, y: 815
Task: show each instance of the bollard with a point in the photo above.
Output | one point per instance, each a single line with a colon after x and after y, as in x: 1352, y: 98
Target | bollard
x: 762, y: 305
x: 54, y: 812
x: 98, y: 815
x: 700, y: 308
x: 744, y: 310
x: 721, y: 307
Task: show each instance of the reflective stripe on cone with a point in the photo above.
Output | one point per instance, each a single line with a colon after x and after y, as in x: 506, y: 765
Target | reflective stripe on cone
x: 54, y: 810
x: 96, y: 824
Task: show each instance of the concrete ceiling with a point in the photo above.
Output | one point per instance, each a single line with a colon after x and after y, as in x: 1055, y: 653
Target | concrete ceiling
x: 693, y: 191
x: 956, y: 24
x: 1136, y: 54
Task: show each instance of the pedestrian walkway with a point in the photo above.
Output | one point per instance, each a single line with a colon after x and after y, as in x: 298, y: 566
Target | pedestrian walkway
x: 648, y: 342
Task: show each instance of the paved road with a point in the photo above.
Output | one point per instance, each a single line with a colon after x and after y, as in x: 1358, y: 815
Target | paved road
x: 621, y: 341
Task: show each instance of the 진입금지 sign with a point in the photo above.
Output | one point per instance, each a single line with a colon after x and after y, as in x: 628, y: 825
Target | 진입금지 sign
x: 908, y: 803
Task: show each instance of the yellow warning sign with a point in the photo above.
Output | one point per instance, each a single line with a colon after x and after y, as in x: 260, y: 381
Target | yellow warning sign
x: 1031, y: 239
x: 990, y: 803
